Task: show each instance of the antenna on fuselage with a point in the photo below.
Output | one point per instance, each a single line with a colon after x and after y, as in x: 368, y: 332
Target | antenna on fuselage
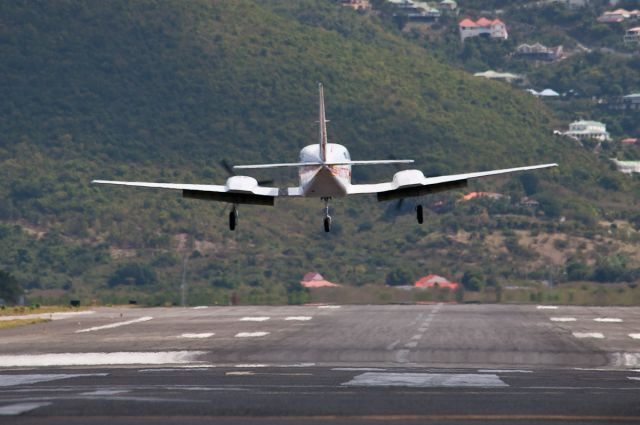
x: 323, y: 126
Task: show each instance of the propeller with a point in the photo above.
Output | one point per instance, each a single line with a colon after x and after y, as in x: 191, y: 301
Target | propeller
x: 231, y: 172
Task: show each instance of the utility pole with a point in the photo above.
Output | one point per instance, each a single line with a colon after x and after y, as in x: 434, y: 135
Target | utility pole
x: 183, y: 284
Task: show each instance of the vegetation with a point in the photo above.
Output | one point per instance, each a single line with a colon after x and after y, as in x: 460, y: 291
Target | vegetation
x: 8, y: 324
x: 162, y: 91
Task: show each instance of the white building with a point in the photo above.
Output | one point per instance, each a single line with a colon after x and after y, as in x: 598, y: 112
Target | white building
x: 632, y: 36
x: 495, y: 29
x: 502, y: 76
x: 627, y: 167
x: 588, y: 130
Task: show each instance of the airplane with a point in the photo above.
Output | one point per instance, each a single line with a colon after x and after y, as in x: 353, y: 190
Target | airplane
x: 324, y: 172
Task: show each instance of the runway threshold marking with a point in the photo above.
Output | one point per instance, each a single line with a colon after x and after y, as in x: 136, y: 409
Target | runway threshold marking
x: 562, y: 319
x: 596, y: 335
x: 300, y: 318
x: 634, y: 336
x: 116, y: 325
x: 547, y: 307
x: 197, y: 336
x: 255, y: 319
x: 251, y: 334
x: 100, y: 359
x: 607, y: 320
x: 19, y: 408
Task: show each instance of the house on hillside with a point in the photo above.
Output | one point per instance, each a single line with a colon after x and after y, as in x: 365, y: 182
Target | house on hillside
x: 538, y: 52
x: 502, y: 76
x: 483, y: 27
x: 582, y: 130
x: 627, y: 167
x: 448, y: 5
x: 435, y: 281
x: 632, y: 37
x: 630, y: 102
x: 629, y: 141
x: 614, y: 17
x: 475, y: 195
x: 417, y: 11
x: 316, y: 280
x: 357, y: 4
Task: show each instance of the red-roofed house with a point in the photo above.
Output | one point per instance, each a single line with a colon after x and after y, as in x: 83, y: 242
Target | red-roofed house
x: 629, y: 141
x: 435, y: 281
x: 483, y: 26
x: 316, y: 280
x: 474, y: 195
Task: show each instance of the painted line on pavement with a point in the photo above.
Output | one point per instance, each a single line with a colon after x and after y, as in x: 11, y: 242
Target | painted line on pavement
x: 607, y: 320
x: 425, y: 380
x: 597, y: 335
x: 504, y: 371
x: 19, y: 408
x: 116, y: 325
x: 634, y: 336
x: 329, y: 306
x: 562, y: 319
x: 301, y: 318
x: 99, y: 359
x: 250, y: 334
x: 12, y: 380
x: 547, y: 307
x: 255, y: 319
x: 196, y: 336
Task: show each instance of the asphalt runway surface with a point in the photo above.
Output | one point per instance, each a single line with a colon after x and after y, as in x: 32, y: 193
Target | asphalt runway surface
x: 436, y: 363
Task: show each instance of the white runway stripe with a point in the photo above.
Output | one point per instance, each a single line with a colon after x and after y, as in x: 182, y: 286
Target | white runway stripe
x: 99, y: 359
x: 607, y: 319
x: 562, y: 319
x: 425, y: 380
x: 634, y: 336
x: 504, y: 371
x: 199, y: 307
x: 250, y: 334
x: 255, y: 319
x: 597, y: 335
x: 329, y: 306
x: 11, y: 380
x: 547, y: 307
x: 19, y: 408
x: 116, y: 325
x: 202, y: 335
x: 301, y: 318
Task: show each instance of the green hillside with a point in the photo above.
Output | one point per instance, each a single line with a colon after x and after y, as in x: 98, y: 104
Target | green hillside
x: 163, y: 90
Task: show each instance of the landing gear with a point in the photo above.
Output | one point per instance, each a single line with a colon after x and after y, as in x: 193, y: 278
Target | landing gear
x: 419, y: 213
x: 327, y: 217
x: 233, y: 218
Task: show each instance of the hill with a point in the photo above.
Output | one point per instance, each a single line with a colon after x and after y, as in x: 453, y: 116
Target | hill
x: 163, y: 90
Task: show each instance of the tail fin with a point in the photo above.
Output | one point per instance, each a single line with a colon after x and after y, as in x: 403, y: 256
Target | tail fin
x: 323, y: 126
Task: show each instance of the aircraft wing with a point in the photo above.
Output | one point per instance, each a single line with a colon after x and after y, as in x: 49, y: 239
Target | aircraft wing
x: 410, y: 183
x: 237, y: 190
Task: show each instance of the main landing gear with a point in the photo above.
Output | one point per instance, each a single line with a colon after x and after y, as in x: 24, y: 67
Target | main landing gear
x: 419, y: 214
x: 327, y: 217
x: 233, y: 218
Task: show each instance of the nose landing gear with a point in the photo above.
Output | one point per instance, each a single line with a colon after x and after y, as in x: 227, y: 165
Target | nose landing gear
x: 233, y: 218
x: 327, y: 217
x: 419, y: 214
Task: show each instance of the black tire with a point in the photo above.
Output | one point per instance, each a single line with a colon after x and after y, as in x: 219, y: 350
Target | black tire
x: 233, y: 220
x: 327, y: 224
x: 419, y: 214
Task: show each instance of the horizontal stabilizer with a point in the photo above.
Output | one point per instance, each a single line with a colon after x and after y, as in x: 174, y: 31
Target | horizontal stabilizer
x: 306, y: 164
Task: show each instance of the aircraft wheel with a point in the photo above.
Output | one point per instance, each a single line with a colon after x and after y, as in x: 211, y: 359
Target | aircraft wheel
x: 419, y: 214
x: 233, y: 219
x: 327, y: 224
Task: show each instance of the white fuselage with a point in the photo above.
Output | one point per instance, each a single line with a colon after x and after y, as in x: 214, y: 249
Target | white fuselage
x: 325, y: 181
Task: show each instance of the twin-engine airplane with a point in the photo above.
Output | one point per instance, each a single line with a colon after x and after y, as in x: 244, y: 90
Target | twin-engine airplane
x: 325, y: 173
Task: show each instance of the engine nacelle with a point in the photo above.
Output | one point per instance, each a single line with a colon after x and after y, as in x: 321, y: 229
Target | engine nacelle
x: 241, y: 183
x: 408, y: 178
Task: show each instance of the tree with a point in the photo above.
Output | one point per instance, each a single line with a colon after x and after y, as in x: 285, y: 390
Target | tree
x: 10, y: 288
x: 473, y: 280
x: 133, y: 274
x: 530, y: 183
x: 398, y: 276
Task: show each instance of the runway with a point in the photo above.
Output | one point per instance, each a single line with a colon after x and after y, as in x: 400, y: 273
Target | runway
x: 435, y: 363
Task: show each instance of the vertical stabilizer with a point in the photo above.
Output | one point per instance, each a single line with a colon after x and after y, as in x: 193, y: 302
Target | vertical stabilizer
x: 323, y: 126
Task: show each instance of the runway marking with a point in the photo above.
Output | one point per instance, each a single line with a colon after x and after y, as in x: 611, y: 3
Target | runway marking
x: 99, y: 359
x: 359, y: 369
x: 52, y: 316
x: 329, y: 306
x: 301, y: 318
x: 562, y: 319
x: 624, y: 359
x: 178, y: 368
x: 251, y: 365
x: 202, y: 335
x: 19, y: 408
x: 200, y: 307
x: 13, y: 380
x: 105, y: 392
x: 416, y: 337
x: 250, y: 334
x: 634, y: 378
x: 597, y: 335
x: 116, y: 325
x: 425, y: 380
x: 412, y: 344
x: 504, y: 371
x: 547, y: 307
x: 634, y: 336
x: 607, y: 319
x: 240, y: 373
x: 297, y: 365
x: 402, y: 356
x: 255, y: 319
